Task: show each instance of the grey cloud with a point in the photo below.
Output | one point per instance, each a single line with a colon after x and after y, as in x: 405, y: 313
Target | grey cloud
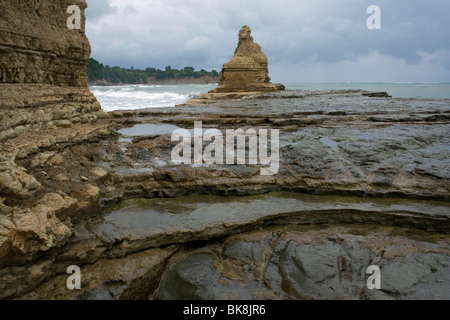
x: 203, y: 33
x: 99, y: 8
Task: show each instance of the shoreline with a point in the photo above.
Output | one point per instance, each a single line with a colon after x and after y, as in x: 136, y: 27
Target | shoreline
x: 185, y: 81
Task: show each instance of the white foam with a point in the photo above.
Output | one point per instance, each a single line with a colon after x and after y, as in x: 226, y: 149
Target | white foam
x: 132, y: 97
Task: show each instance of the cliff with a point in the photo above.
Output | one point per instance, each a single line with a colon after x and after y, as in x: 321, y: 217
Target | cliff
x: 37, y: 47
x: 45, y: 108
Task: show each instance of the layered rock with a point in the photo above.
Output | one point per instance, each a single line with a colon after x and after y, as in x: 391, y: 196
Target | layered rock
x: 247, y: 72
x: 37, y: 47
x: 45, y: 108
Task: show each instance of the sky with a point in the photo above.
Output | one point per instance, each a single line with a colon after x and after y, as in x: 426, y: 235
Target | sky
x: 306, y: 41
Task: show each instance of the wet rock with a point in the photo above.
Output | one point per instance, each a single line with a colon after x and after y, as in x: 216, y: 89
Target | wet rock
x: 180, y: 175
x: 133, y: 277
x: 325, y: 263
x: 142, y: 155
x: 377, y: 95
x: 242, y: 171
x: 182, y: 281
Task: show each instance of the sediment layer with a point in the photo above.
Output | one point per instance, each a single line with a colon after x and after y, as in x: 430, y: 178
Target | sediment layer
x: 45, y: 108
x: 37, y: 47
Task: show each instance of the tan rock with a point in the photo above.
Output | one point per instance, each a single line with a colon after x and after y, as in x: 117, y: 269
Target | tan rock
x: 41, y: 159
x: 57, y: 202
x: 45, y: 104
x: 37, y: 46
x: 37, y: 230
x: 63, y: 123
x: 99, y: 172
x: 15, y: 180
x: 56, y: 160
x: 248, y: 69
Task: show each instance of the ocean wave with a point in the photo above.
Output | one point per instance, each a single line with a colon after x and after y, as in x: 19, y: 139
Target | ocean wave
x: 138, y: 95
x: 131, y: 98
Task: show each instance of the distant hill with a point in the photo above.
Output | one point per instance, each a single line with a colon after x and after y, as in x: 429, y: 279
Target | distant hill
x: 99, y: 74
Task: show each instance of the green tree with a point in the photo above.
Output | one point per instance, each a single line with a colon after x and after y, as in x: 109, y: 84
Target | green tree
x: 97, y: 71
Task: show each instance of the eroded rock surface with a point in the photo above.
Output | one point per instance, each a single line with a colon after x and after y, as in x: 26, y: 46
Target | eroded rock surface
x: 326, y: 262
x: 293, y: 262
x: 45, y: 108
x: 37, y: 47
x: 390, y: 155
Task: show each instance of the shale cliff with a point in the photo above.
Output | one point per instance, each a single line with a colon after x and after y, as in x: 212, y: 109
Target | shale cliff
x: 37, y: 47
x: 45, y: 108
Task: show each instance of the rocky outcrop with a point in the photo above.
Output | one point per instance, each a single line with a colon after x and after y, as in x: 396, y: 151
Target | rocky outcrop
x: 377, y: 94
x: 369, y: 148
x: 179, y: 238
x: 325, y: 263
x: 37, y: 46
x: 45, y: 108
x: 246, y: 72
x: 330, y: 142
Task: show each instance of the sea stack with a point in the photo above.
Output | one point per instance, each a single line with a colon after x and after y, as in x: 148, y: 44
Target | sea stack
x: 246, y: 73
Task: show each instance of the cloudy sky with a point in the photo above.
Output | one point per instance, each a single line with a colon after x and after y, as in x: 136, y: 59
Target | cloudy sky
x: 304, y: 40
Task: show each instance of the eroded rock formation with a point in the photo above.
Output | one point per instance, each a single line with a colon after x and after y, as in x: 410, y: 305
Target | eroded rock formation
x: 247, y: 72
x: 45, y: 107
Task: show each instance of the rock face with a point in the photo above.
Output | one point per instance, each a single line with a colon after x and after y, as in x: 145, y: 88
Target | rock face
x: 306, y: 247
x: 45, y: 107
x: 310, y: 264
x: 248, y: 69
x: 36, y: 45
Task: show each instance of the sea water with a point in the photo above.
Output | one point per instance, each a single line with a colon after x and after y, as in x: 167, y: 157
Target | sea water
x: 132, y: 97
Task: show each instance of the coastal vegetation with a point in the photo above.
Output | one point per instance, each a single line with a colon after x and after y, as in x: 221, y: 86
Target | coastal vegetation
x: 97, y: 72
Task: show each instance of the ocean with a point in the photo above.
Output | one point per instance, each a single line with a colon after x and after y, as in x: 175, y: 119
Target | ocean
x: 132, y: 97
